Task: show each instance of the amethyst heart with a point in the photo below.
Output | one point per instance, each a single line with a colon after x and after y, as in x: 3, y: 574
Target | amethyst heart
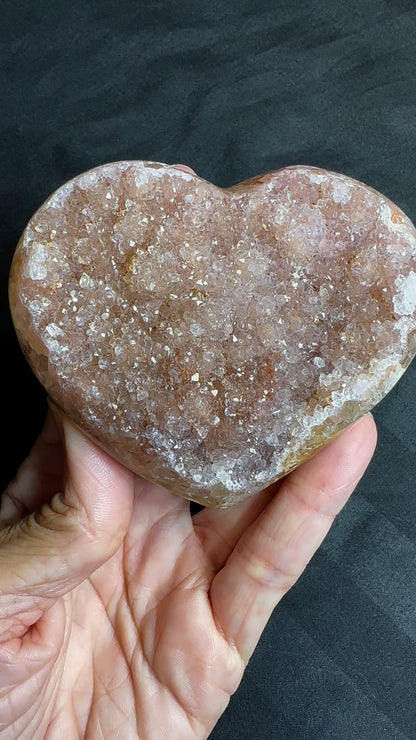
x: 211, y: 339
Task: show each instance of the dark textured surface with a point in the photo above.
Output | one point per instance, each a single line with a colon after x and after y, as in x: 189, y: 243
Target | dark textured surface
x: 233, y: 89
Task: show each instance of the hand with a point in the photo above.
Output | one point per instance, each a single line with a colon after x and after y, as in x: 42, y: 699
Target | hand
x: 123, y: 616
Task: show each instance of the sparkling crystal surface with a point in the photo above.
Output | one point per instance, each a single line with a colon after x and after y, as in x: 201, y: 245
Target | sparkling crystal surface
x: 212, y: 339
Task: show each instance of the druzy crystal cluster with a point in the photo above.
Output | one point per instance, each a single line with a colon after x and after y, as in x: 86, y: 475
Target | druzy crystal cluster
x: 212, y: 339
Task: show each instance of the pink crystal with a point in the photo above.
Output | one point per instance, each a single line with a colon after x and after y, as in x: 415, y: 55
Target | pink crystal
x: 212, y: 339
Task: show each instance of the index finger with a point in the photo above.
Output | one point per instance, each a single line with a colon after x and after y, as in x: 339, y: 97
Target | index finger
x: 271, y: 555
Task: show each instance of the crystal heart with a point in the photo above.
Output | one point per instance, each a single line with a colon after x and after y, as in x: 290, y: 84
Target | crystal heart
x: 212, y: 339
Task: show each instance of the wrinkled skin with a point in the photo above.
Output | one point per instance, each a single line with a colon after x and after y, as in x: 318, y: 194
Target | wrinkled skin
x: 121, y: 616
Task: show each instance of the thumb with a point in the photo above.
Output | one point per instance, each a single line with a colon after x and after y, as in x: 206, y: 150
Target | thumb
x: 49, y: 552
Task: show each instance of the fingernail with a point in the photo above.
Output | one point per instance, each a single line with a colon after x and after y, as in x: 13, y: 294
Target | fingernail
x: 184, y: 168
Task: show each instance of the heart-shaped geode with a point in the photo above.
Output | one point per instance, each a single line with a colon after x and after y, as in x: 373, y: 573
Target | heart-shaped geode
x: 212, y: 339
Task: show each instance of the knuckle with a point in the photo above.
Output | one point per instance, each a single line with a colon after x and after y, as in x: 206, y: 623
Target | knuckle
x: 266, y: 573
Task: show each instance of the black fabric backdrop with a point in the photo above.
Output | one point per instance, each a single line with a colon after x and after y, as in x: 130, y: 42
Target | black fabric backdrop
x: 234, y: 89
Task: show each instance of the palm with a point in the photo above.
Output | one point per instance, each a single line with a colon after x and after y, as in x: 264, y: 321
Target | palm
x: 153, y: 643
x: 160, y: 660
